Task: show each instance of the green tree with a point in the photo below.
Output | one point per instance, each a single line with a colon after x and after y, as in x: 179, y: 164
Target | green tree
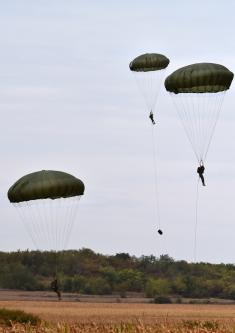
x: 155, y: 287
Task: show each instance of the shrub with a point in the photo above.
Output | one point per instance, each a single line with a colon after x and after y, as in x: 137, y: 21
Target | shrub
x: 7, y: 317
x: 162, y: 300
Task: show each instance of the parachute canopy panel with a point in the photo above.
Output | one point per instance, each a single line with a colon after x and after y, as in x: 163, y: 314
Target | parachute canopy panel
x: 149, y: 62
x: 199, y: 78
x: 45, y: 184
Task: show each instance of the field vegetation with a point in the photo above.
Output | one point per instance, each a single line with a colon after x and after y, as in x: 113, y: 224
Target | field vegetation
x: 65, y: 317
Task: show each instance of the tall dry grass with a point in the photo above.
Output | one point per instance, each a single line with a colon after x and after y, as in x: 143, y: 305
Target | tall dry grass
x: 135, y: 327
x: 70, y: 317
x: 74, y: 312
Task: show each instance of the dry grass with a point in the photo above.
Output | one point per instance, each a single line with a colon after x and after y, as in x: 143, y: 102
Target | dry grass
x: 117, y: 312
x: 71, y: 317
x: 135, y: 327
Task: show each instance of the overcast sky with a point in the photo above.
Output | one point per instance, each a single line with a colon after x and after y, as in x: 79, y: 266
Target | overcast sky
x: 69, y: 102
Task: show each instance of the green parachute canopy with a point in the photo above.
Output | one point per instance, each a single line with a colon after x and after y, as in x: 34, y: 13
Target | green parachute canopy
x: 149, y: 62
x: 45, y: 184
x: 199, y: 78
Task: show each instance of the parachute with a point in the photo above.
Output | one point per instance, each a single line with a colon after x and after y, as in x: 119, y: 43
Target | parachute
x: 148, y: 69
x: 47, y: 202
x: 198, y: 91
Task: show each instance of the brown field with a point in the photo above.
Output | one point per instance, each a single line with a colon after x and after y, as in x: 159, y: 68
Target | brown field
x: 87, y: 317
x: 73, y: 312
x: 84, y: 314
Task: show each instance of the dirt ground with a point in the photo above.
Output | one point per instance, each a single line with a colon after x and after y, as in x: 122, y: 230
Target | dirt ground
x: 16, y: 295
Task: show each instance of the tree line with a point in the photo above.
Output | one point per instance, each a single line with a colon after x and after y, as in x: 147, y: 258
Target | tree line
x: 86, y: 272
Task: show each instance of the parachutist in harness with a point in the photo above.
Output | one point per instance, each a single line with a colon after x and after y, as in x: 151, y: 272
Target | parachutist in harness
x: 55, y: 288
x: 160, y: 232
x: 151, y: 117
x: 200, y: 171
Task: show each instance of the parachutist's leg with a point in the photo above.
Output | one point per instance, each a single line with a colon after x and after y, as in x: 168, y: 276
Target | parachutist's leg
x: 59, y: 295
x: 203, y: 180
x: 152, y: 120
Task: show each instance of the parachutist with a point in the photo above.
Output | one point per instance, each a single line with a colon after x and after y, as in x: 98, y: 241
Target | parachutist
x: 55, y: 288
x: 151, y: 117
x: 200, y: 171
x: 160, y: 232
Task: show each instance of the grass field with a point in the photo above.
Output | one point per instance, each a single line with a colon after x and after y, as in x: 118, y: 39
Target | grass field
x: 120, y: 318
x: 106, y: 312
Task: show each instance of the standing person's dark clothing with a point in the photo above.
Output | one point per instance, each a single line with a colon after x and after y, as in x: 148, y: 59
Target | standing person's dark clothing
x: 200, y: 171
x: 151, y: 117
x: 55, y: 288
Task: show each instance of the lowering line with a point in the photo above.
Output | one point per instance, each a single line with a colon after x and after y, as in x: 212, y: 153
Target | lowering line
x: 156, y: 191
x: 200, y: 171
x: 196, y: 222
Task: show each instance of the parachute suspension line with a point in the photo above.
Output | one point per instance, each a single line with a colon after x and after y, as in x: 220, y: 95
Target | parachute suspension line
x: 48, y: 222
x: 26, y: 226
x: 56, y: 264
x: 196, y: 223
x: 199, y: 115
x: 181, y: 116
x: 199, y: 123
x: 30, y: 227
x: 156, y: 191
x: 32, y: 220
x: 149, y: 85
x: 46, y: 219
x: 57, y: 213
x: 194, y: 121
x: 43, y: 221
x: 74, y: 213
x: 188, y: 118
x: 207, y: 109
x: 67, y: 217
x: 219, y: 102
